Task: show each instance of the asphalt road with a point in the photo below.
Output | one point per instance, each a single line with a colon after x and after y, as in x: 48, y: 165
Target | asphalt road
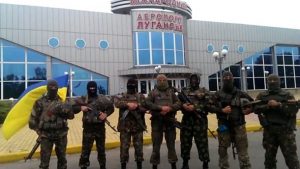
x: 256, y: 153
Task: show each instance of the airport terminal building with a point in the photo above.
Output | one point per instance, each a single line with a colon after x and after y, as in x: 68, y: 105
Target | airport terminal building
x: 38, y: 43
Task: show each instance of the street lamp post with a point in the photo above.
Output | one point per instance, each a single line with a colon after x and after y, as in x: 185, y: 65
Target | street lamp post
x: 265, y: 78
x: 219, y: 58
x: 71, y: 74
x: 244, y: 77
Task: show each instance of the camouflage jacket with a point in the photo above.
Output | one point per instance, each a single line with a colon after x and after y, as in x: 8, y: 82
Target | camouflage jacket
x: 50, y: 115
x: 222, y: 99
x: 200, y: 99
x: 284, y: 115
x: 131, y: 120
x: 156, y: 99
x: 97, y: 104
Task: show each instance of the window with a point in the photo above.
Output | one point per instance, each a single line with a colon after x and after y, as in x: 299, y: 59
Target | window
x: 103, y: 44
x: 158, y: 48
x: 210, y: 48
x: 80, y: 43
x: 225, y: 47
x: 80, y: 77
x: 241, y: 49
x: 53, y: 42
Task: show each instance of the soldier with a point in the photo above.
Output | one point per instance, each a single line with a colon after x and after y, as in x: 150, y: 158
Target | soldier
x: 131, y: 123
x: 231, y: 122
x: 163, y: 104
x: 195, y: 117
x: 278, y: 118
x: 49, y: 119
x: 96, y: 108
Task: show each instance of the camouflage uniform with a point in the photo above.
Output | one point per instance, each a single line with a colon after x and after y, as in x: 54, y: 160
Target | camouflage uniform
x: 196, y: 120
x: 131, y: 125
x: 279, y: 123
x: 231, y: 125
x: 49, y: 119
x: 158, y: 99
x: 93, y: 127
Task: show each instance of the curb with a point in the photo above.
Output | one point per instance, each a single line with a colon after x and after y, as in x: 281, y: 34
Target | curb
x: 11, y: 157
x: 6, y: 158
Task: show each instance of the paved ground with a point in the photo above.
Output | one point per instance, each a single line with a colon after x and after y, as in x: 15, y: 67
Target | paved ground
x: 256, y: 154
x: 17, y: 147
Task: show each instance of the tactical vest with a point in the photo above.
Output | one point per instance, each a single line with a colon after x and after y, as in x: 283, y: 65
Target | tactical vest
x: 197, y: 97
x: 133, y: 116
x: 92, y: 116
x: 233, y: 99
x: 49, y: 120
x: 163, y: 98
x: 277, y: 116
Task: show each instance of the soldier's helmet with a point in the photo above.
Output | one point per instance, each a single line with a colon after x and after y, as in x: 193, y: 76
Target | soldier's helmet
x: 273, y: 82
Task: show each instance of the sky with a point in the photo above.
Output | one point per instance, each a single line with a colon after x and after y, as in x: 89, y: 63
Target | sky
x: 272, y: 13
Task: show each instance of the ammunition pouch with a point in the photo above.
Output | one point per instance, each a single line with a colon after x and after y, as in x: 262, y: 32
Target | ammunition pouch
x: 53, y: 125
x: 91, y: 117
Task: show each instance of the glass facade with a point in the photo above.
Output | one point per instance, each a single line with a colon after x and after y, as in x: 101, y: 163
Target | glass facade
x: 21, y: 67
x: 158, y: 48
x: 259, y: 65
x: 80, y: 78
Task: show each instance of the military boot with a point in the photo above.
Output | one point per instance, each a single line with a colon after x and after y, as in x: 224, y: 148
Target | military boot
x: 173, y: 166
x: 154, y: 166
x: 139, y: 165
x: 205, y: 165
x: 185, y: 164
x: 123, y: 165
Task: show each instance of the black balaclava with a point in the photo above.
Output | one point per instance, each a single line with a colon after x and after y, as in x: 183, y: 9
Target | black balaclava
x: 132, y: 86
x: 52, y: 88
x: 273, y: 83
x: 227, y: 81
x: 91, y: 88
x: 194, y: 81
x: 162, y: 82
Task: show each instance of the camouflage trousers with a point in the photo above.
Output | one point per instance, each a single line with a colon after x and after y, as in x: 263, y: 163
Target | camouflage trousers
x: 274, y: 137
x: 88, y: 138
x: 157, y: 137
x: 137, y: 140
x: 199, y: 133
x: 60, y: 150
x: 241, y: 143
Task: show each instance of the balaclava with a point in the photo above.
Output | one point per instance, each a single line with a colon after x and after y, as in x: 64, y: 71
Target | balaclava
x: 273, y: 83
x: 194, y: 81
x: 132, y: 86
x: 162, y: 82
x: 52, y: 88
x: 92, y: 89
x: 227, y: 81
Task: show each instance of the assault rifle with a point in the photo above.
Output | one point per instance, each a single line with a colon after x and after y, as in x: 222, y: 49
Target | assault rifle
x: 176, y: 123
x: 34, y: 148
x: 183, y: 98
x: 133, y: 113
x: 257, y: 102
x: 234, y: 151
x: 139, y: 122
x: 96, y: 113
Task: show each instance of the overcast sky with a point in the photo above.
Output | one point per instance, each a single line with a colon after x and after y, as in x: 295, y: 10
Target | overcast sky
x: 254, y: 12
